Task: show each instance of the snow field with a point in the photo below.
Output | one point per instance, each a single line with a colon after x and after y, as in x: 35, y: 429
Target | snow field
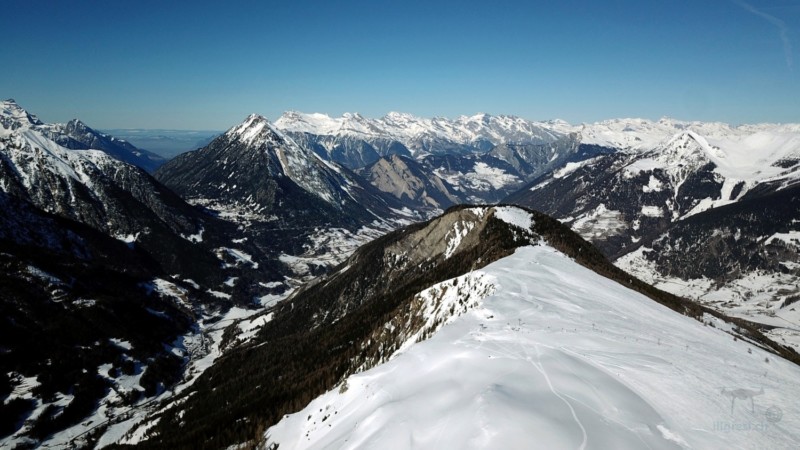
x: 560, y: 357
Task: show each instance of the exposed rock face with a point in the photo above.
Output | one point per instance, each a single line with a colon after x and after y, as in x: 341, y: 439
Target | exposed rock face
x: 349, y: 151
x: 410, y: 183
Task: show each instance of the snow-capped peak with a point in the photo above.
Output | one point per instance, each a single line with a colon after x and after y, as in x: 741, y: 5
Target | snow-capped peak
x: 400, y: 116
x: 252, y: 127
x: 77, y: 124
x: 480, y: 117
x: 688, y: 145
x: 352, y: 116
x: 300, y: 164
x: 14, y: 117
x: 314, y: 123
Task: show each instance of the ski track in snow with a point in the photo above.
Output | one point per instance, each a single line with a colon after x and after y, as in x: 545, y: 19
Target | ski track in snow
x: 540, y: 367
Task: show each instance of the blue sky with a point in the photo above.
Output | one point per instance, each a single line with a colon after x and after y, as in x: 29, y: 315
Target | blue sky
x: 206, y: 65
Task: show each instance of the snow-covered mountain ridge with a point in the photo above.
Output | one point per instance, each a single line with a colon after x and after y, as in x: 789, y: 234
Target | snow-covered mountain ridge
x: 692, y: 207
x: 480, y: 131
x: 497, y: 275
x: 74, y: 135
x: 624, y: 134
x: 486, y: 158
x: 556, y: 356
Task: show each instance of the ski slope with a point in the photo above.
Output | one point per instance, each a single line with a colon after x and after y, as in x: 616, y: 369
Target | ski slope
x: 560, y: 357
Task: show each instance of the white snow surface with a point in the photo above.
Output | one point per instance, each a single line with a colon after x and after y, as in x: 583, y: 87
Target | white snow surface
x: 652, y: 211
x: 560, y: 357
x: 239, y: 257
x: 517, y: 217
x: 572, y: 167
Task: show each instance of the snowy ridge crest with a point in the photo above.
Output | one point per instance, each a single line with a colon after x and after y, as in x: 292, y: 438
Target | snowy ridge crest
x: 422, y: 134
x: 429, y: 311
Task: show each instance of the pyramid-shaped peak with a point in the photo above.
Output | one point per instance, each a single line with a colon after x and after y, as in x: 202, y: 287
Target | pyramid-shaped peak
x: 77, y: 124
x: 688, y: 144
x: 255, y: 126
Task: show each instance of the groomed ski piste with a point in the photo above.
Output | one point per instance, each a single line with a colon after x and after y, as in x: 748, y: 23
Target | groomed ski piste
x: 560, y: 357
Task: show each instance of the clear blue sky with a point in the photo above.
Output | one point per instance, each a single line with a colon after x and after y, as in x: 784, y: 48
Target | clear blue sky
x: 206, y: 65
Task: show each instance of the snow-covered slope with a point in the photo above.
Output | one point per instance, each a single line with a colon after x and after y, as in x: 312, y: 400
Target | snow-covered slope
x: 772, y: 142
x: 560, y: 357
x: 77, y: 135
x: 642, y: 134
x: 460, y: 272
x: 740, y: 158
x: 663, y: 172
x: 738, y: 163
x: 740, y: 259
